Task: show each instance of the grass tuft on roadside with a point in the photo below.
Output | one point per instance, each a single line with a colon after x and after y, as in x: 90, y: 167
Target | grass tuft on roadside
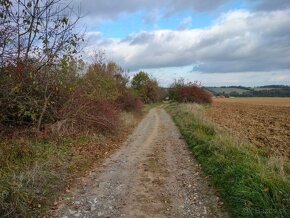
x: 250, y: 183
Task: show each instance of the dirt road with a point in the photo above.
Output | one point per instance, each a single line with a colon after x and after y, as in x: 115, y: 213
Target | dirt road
x: 152, y: 175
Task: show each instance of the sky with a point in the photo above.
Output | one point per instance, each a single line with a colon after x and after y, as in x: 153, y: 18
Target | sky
x: 219, y: 43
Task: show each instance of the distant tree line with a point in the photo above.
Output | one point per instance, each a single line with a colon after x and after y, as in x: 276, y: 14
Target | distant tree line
x: 237, y: 87
x: 262, y: 91
x: 275, y: 86
x: 275, y: 92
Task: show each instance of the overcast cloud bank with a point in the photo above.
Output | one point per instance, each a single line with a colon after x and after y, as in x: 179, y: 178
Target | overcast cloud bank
x: 239, y: 41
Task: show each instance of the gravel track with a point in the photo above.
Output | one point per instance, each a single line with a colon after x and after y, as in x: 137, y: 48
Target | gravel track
x: 152, y: 175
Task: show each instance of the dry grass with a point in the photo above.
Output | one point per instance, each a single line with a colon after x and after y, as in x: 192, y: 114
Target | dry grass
x: 34, y: 173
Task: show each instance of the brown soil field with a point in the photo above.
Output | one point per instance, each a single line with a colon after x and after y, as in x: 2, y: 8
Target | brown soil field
x: 262, y: 123
x: 257, y: 101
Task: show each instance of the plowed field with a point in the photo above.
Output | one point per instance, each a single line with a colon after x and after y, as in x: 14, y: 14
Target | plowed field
x: 264, y: 122
x: 285, y: 102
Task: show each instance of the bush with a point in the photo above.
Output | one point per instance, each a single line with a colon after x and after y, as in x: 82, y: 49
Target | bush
x: 193, y: 93
x: 85, y: 114
x: 98, y: 84
x: 35, y: 98
x: 95, y: 105
x: 130, y: 103
x: 189, y: 92
x: 59, y: 96
x: 146, y: 88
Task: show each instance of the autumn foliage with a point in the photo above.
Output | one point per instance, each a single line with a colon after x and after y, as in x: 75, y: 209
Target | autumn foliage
x: 44, y: 84
x: 129, y: 103
x: 146, y: 87
x: 189, y: 92
x: 85, y: 114
x: 66, y: 98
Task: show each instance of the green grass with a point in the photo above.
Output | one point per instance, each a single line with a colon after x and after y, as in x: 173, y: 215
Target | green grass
x: 148, y: 107
x: 250, y: 183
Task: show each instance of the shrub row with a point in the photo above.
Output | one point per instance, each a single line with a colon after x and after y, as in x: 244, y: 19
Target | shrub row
x: 63, y: 96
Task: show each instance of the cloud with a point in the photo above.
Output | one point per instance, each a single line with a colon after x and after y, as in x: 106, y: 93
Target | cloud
x: 269, y: 5
x: 104, y: 9
x: 239, y: 41
x: 166, y: 76
x: 185, y: 23
x: 197, y: 5
x: 153, y: 16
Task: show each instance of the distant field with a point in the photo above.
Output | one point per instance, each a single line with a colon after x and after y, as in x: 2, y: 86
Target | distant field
x: 263, y: 121
x: 257, y: 101
x: 227, y: 90
x: 263, y: 89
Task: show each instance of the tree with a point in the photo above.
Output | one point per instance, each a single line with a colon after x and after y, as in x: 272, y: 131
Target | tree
x: 42, y: 30
x: 145, y: 87
x: 36, y: 38
x: 174, y: 87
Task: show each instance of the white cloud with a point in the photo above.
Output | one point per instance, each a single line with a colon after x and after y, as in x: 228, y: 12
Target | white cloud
x: 239, y: 41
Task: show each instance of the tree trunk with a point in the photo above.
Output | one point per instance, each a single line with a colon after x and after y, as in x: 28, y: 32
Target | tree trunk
x: 42, y: 113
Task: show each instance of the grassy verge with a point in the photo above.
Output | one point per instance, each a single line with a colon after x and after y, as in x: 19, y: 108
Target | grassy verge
x: 35, y: 172
x: 148, y: 107
x: 250, y: 183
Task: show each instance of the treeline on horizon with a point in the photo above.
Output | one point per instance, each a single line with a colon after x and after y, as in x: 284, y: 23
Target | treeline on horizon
x: 260, y: 91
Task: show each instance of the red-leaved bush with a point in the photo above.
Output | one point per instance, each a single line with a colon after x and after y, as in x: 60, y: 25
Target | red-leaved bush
x: 83, y: 113
x: 130, y: 103
x: 189, y: 92
x: 194, y: 94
